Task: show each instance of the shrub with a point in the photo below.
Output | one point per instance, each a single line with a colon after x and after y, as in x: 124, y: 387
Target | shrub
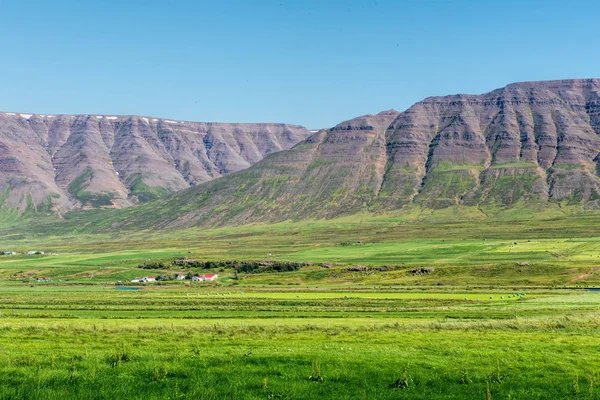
x: 119, y: 356
x: 316, y: 372
x: 404, y: 381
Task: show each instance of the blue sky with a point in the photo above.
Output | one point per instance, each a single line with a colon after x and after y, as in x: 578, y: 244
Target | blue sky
x: 313, y: 63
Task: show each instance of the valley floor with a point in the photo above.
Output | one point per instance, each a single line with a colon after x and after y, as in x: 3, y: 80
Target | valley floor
x: 504, y: 310
x: 215, y: 343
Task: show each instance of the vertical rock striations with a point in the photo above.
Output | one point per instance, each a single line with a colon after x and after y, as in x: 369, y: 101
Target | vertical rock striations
x: 527, y: 142
x: 55, y: 163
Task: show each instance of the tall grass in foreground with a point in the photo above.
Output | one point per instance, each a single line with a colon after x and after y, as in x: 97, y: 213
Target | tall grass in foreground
x: 540, y: 361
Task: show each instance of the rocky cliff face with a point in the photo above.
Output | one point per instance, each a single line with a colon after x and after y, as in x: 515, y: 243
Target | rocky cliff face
x: 533, y: 140
x: 527, y: 142
x: 59, y: 162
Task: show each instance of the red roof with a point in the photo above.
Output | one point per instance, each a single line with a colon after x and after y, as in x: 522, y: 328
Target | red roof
x: 151, y: 277
x: 209, y: 275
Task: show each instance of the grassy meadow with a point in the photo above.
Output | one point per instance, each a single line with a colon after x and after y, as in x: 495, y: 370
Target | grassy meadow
x: 209, y: 343
x: 503, y: 312
x: 549, y: 251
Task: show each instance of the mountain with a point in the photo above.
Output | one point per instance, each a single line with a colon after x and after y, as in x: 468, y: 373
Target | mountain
x: 529, y: 142
x: 60, y: 162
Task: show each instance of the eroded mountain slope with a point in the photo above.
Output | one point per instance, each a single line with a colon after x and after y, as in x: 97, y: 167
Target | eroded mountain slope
x: 56, y: 163
x: 527, y: 142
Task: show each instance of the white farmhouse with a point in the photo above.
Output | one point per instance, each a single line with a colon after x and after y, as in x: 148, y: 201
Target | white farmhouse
x: 145, y: 279
x: 205, y: 277
x: 210, y: 277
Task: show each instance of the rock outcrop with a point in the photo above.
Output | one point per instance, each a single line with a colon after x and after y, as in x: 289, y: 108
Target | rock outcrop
x: 55, y: 163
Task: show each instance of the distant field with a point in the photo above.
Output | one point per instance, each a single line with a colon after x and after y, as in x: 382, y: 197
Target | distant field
x: 547, y: 262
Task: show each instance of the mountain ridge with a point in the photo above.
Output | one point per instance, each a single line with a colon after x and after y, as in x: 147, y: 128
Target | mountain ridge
x: 524, y: 143
x: 56, y: 163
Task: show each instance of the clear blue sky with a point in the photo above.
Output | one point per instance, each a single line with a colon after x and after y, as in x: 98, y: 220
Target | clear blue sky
x: 313, y: 63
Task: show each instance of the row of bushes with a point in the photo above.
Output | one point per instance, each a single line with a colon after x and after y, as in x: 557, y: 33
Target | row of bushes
x: 269, y: 266
x: 187, y: 263
x: 153, y: 265
x: 239, y: 266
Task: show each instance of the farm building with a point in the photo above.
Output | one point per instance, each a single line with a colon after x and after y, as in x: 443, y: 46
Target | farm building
x: 205, y: 277
x: 210, y: 277
x: 44, y: 279
x: 9, y: 253
x: 32, y: 252
x: 180, y: 277
x: 145, y: 279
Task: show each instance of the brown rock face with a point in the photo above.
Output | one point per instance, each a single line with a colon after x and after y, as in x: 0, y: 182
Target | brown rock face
x: 55, y: 163
x: 531, y: 141
x: 541, y: 137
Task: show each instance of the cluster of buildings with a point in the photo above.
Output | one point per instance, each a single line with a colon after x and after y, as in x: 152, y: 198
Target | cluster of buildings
x: 44, y: 279
x: 29, y: 253
x: 180, y: 277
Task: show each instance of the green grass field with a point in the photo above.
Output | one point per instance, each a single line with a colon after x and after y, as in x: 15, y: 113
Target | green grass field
x: 99, y: 342
x: 505, y: 313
